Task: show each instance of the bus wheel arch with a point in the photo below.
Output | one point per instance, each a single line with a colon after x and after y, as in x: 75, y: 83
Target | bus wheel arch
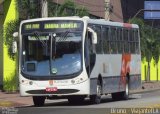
x: 124, y: 95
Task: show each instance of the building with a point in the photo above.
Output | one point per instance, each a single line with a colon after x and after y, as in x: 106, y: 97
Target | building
x: 101, y: 9
x: 115, y: 10
x: 96, y: 8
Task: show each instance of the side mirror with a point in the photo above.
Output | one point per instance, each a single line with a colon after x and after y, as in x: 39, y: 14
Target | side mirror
x: 94, y: 38
x: 14, y: 43
x: 15, y: 34
x: 94, y: 35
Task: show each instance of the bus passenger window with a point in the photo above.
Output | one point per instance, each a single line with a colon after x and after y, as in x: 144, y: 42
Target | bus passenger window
x: 105, y: 36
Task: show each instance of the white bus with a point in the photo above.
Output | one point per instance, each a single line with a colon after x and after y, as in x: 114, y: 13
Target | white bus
x: 74, y: 58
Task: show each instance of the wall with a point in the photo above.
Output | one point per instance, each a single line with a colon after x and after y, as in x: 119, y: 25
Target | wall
x: 116, y: 14
x: 153, y: 71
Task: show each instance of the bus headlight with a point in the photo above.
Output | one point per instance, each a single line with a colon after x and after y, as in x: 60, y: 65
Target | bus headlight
x: 73, y: 81
x: 77, y: 81
x: 30, y: 82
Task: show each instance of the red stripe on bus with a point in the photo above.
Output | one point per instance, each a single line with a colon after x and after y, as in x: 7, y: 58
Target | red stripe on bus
x: 125, y: 68
x: 127, y: 25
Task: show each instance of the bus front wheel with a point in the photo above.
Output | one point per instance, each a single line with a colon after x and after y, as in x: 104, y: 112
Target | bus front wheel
x: 96, y: 99
x: 38, y: 100
x: 76, y: 99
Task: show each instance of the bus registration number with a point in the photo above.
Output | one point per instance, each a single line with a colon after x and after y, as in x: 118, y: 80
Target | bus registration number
x: 51, y: 89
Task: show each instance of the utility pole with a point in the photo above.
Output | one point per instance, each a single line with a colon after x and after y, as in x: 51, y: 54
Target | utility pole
x: 1, y: 1
x: 44, y: 8
x: 108, y: 9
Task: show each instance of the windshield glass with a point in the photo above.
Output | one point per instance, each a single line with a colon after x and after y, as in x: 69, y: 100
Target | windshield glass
x: 56, y: 54
x: 51, y: 48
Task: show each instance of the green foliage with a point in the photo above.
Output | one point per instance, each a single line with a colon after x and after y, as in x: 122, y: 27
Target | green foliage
x: 143, y: 34
x: 9, y: 29
x: 10, y: 83
x: 29, y: 8
x: 150, y: 42
x: 69, y: 8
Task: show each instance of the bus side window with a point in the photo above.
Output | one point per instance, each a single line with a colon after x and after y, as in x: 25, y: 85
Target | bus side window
x: 105, y: 35
x: 119, y: 40
x: 125, y: 39
x: 99, y: 39
x: 137, y: 46
x: 113, y: 40
x: 132, y: 41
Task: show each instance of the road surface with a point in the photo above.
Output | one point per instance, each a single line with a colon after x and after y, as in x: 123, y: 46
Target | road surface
x: 144, y: 100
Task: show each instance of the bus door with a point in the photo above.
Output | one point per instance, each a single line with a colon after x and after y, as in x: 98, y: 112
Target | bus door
x: 89, y: 53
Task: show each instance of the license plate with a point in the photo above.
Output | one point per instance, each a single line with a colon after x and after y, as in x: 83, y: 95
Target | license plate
x: 51, y: 89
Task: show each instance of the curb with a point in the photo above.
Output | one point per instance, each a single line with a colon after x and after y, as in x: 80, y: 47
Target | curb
x: 144, y: 91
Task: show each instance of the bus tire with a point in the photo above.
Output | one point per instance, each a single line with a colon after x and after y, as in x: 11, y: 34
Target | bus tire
x: 125, y: 94
x: 122, y: 95
x: 76, y: 99
x: 96, y: 99
x: 38, y: 100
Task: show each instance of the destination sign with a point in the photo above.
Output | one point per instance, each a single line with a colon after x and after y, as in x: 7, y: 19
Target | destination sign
x: 51, y: 26
x: 60, y: 25
x: 39, y: 38
x: 32, y: 26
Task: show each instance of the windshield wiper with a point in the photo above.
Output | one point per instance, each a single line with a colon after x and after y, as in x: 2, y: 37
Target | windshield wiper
x: 64, y: 36
x: 37, y: 36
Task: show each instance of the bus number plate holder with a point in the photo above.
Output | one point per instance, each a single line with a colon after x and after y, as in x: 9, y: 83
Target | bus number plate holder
x: 51, y: 89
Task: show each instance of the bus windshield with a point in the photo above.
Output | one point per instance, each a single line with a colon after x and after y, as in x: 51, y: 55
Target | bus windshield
x: 53, y: 54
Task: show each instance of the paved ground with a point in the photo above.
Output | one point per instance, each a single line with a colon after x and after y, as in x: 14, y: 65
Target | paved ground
x: 14, y: 99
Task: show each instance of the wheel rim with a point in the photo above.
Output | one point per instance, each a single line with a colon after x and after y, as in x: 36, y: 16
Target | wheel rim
x: 127, y: 89
x: 99, y: 92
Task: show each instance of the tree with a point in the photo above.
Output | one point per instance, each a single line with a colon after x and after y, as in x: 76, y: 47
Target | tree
x: 147, y: 41
x: 150, y: 43
x: 156, y: 48
x: 69, y: 8
x: 29, y: 8
x: 143, y: 34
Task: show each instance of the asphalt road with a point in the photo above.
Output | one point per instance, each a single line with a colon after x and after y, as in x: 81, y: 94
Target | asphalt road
x: 143, y: 100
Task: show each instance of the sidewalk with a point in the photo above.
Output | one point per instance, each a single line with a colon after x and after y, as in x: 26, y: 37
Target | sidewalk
x: 14, y: 99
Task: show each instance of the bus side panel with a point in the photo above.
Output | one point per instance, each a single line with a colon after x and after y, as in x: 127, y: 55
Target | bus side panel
x: 135, y: 72
x: 110, y: 85
x: 109, y: 67
x: 135, y: 81
x: 93, y: 84
x: 113, y: 84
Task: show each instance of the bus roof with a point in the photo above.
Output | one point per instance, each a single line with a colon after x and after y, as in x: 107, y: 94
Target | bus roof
x: 87, y: 20
x: 111, y: 23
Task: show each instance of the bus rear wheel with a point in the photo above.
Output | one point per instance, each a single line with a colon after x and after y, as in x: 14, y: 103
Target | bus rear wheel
x: 96, y: 99
x: 38, y: 100
x: 122, y: 95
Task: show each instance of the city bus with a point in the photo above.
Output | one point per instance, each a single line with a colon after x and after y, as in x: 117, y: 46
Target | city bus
x: 76, y: 58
